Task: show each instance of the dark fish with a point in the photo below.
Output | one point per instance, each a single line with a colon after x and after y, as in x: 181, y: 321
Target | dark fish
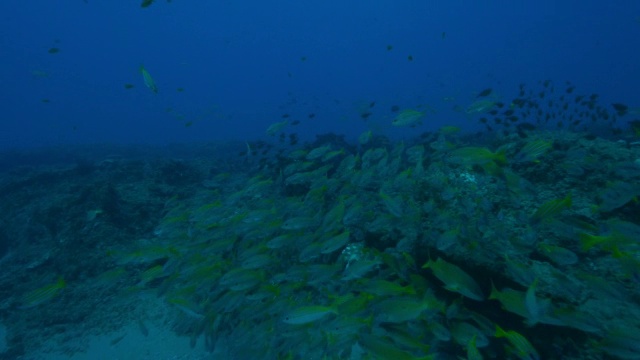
x: 500, y: 105
x: 389, y: 47
x: 526, y: 127
x: 372, y: 104
x: 508, y: 112
x: 54, y: 50
x: 311, y: 116
x: 128, y: 86
x: 284, y: 116
x: 410, y: 57
x: 621, y: 109
x: 483, y: 120
x: 493, y: 112
x: 570, y: 89
x: 395, y: 108
x: 146, y: 3
x: 485, y: 92
x: 365, y: 115
x: 518, y: 102
x: 295, y: 122
x: 293, y: 139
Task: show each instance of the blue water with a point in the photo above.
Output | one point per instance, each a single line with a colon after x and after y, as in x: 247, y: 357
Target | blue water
x: 244, y: 64
x: 138, y: 177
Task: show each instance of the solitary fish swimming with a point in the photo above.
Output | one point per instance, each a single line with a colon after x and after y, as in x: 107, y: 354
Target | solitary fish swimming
x: 408, y: 117
x: 148, y: 80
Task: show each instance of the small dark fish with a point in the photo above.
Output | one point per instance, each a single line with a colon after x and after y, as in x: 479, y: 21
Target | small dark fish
x: 526, y: 127
x: 570, y: 89
x: 546, y: 83
x: 146, y: 3
x: 483, y: 120
x: 395, y: 108
x: 303, y: 58
x: 508, y: 112
x: 512, y: 118
x: 284, y: 116
x: 389, y: 47
x: 518, y: 102
x: 485, y: 92
x: 311, y: 116
x: 410, y: 57
x: 365, y: 115
x: 128, y: 86
x: 500, y: 105
x: 444, y: 34
x: 54, y: 50
x: 116, y: 340
x: 180, y: 89
x: 188, y: 124
x: 493, y: 112
x: 621, y: 109
x: 295, y: 122
x: 372, y: 104
x: 46, y: 101
x: 143, y: 328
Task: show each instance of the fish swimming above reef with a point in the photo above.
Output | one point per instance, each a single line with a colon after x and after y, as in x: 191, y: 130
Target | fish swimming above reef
x: 533, y: 150
x: 550, y: 209
x: 480, y: 106
x: 275, y: 128
x: 476, y: 156
x: 43, y: 294
x: 408, y: 117
x: 455, y: 279
x: 148, y: 80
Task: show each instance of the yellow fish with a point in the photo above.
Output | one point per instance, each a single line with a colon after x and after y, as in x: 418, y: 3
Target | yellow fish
x: 148, y: 80
x: 408, y: 117
x: 43, y: 294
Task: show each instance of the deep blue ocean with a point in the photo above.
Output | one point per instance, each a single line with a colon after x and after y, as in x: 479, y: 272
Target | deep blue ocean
x: 311, y: 180
x: 231, y: 68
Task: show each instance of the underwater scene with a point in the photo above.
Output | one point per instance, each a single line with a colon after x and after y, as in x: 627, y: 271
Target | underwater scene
x: 370, y: 181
